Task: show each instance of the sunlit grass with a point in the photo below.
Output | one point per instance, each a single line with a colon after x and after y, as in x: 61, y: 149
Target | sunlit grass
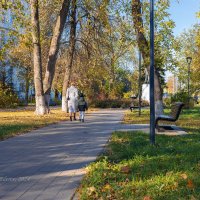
x: 132, y: 169
x: 134, y: 118
x: 188, y: 119
x: 20, y: 121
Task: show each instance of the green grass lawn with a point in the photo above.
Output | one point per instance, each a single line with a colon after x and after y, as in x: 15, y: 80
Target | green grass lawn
x: 188, y: 120
x: 16, y: 122
x: 133, y: 169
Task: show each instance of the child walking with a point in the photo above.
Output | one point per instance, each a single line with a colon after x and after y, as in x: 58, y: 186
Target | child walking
x: 82, y: 107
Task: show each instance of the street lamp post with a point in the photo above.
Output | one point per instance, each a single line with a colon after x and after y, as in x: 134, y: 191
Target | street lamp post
x: 139, y: 79
x: 152, y: 100
x: 139, y: 84
x: 189, y: 60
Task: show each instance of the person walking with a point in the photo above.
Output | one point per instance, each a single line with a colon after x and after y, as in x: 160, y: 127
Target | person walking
x: 82, y: 107
x: 72, y: 99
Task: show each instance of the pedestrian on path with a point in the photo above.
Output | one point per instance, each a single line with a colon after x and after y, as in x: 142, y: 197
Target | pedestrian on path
x: 72, y: 98
x: 82, y: 107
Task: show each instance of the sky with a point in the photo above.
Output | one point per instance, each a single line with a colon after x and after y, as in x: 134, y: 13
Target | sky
x: 183, y: 13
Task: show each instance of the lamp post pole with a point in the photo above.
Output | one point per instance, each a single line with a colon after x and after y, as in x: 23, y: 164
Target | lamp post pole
x: 152, y: 100
x: 189, y: 60
x: 139, y: 84
x: 139, y: 79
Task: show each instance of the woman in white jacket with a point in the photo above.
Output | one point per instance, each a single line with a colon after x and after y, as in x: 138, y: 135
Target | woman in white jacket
x: 72, y: 98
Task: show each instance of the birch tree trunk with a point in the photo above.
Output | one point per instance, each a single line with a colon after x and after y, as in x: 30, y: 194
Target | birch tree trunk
x: 39, y: 93
x: 68, y: 70
x: 145, y: 51
x: 54, y: 47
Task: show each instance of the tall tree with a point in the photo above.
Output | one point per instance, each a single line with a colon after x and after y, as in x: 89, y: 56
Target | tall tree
x: 54, y: 47
x: 189, y: 46
x: 48, y: 16
x: 143, y: 43
x: 72, y: 41
x: 37, y: 58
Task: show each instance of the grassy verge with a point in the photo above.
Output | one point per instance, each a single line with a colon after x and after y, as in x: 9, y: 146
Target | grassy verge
x: 17, y: 122
x: 188, y: 120
x: 132, y: 169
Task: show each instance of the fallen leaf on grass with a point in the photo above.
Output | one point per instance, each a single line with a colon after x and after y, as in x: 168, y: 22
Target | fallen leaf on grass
x: 104, y: 174
x: 175, y: 186
x: 147, y: 198
x: 127, y: 180
x: 184, y: 176
x: 107, y: 187
x: 190, y: 184
x: 91, y: 190
x: 125, y: 169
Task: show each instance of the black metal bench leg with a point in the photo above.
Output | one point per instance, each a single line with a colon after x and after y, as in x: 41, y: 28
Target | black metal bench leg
x: 156, y: 125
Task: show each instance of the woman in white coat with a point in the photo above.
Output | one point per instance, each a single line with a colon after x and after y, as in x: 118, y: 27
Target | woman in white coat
x: 72, y: 98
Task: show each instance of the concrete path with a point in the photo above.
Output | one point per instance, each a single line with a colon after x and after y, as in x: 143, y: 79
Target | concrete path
x: 171, y: 130
x: 47, y: 164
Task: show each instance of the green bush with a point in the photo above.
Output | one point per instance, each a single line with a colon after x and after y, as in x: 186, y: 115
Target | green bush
x: 182, y: 97
x: 116, y: 103
x: 107, y: 103
x: 8, y: 99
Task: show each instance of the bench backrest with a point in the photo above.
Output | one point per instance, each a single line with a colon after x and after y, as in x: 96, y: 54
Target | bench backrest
x: 176, y: 110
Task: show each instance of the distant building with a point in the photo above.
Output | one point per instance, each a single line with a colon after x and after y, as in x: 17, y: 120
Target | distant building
x: 11, y: 75
x: 145, y: 92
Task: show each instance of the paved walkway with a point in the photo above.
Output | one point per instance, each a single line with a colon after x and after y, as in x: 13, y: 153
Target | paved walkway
x: 169, y: 130
x: 47, y: 164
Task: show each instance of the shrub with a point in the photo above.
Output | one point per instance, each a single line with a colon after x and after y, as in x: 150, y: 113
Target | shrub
x: 179, y: 96
x: 8, y: 99
x: 182, y: 97
x: 116, y: 103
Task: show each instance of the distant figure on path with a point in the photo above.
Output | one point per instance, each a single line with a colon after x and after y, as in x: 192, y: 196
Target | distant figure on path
x: 72, y: 98
x: 82, y: 107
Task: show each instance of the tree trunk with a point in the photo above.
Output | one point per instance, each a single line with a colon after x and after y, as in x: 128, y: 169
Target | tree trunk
x: 39, y: 94
x: 145, y: 51
x: 64, y: 89
x: 27, y: 85
x: 68, y: 69
x: 54, y: 47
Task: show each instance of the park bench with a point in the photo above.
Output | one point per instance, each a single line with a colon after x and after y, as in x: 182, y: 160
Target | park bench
x: 174, y: 115
x: 132, y: 107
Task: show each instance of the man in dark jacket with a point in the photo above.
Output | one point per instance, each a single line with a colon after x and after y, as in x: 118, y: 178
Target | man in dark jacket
x: 82, y: 107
